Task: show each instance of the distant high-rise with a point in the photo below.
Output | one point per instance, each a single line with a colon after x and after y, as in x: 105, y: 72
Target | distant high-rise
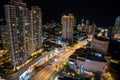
x: 110, y: 32
x: 17, y: 32
x: 82, y: 22
x: 105, y: 32
x: 117, y: 25
x: 87, y: 26
x: 36, y: 28
x: 1, y: 25
x: 117, y: 28
x: 0, y: 42
x: 68, y: 22
x: 117, y: 21
x: 87, y: 23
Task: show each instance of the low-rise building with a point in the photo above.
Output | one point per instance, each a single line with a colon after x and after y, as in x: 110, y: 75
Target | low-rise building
x: 87, y: 60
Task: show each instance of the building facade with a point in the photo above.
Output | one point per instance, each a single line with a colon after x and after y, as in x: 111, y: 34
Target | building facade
x: 117, y: 25
x: 35, y: 28
x: 68, y: 22
x: 91, y: 29
x: 117, y: 28
x: 17, y: 32
x: 87, y: 61
x: 111, y: 32
x: 0, y: 39
x: 88, y: 65
x: 100, y: 45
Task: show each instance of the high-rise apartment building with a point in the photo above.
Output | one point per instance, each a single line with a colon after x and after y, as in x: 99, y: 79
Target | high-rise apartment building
x: 111, y: 32
x: 117, y: 21
x: 117, y: 25
x: 17, y: 32
x: 117, y: 28
x: 0, y: 41
x: 87, y: 23
x: 68, y: 22
x: 87, y: 26
x: 35, y: 28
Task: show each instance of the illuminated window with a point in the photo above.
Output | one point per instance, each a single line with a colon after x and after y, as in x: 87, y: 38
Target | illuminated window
x: 34, y: 11
x: 16, y: 19
x: 16, y: 51
x: 98, y: 55
x: 18, y: 31
x: 87, y: 60
x: 21, y: 48
x: 34, y: 21
x: 26, y: 24
x: 13, y: 24
x: 20, y: 8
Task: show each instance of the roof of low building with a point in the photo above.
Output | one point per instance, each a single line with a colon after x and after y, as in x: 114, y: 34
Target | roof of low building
x: 88, y: 54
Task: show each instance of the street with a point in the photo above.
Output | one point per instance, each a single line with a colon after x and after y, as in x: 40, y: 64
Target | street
x: 48, y: 71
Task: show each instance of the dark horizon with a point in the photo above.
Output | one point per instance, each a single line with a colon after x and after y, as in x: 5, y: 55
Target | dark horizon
x: 102, y: 13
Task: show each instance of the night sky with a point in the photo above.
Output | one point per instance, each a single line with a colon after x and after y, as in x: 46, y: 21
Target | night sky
x: 102, y: 12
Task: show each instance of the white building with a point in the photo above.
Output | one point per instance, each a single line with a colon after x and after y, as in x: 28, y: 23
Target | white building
x: 87, y: 61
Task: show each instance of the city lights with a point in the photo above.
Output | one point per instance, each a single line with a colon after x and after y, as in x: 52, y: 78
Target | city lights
x: 59, y: 40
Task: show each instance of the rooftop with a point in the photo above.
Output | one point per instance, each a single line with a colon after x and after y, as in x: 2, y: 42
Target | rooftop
x: 88, y: 54
x: 83, y: 76
x: 102, y: 38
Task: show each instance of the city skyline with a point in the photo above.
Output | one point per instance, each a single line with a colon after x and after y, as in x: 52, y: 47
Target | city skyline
x: 102, y: 13
x: 59, y: 39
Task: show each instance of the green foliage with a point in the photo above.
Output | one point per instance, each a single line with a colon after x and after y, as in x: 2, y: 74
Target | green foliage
x: 40, y: 54
x: 66, y: 67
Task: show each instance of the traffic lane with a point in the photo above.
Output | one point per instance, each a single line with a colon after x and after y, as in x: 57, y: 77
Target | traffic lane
x: 44, y: 71
x: 60, y: 58
x: 47, y: 70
